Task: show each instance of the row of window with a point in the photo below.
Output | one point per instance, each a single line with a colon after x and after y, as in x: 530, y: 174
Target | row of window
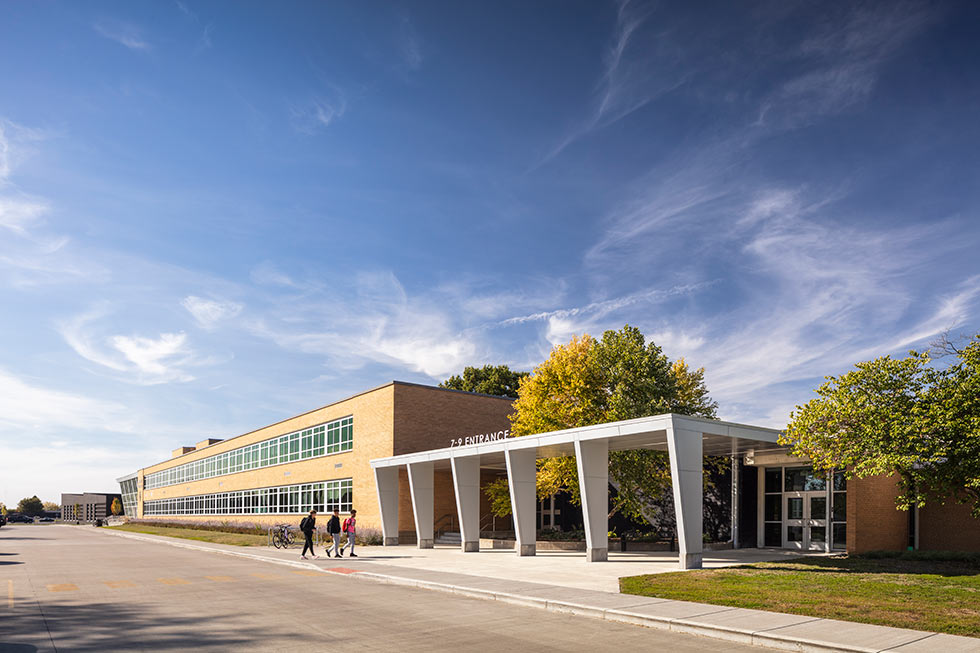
x: 324, y: 439
x: 288, y: 499
x: 130, y: 495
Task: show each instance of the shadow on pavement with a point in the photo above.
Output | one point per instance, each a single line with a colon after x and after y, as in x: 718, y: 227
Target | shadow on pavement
x: 113, y: 626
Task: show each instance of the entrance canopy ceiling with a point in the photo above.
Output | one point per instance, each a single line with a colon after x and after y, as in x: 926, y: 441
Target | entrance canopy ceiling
x: 717, y: 439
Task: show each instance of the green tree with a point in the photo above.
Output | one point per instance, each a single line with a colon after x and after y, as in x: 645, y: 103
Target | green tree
x: 117, y: 507
x: 30, y: 507
x: 591, y: 381
x: 914, y: 417
x: 51, y: 506
x: 497, y: 380
x: 3, y: 509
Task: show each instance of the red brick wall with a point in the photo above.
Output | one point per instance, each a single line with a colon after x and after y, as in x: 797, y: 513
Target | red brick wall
x: 873, y: 522
x: 948, y: 527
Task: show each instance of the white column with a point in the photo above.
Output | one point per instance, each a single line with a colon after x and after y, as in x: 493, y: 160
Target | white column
x: 466, y: 482
x: 386, y: 481
x: 736, y: 494
x: 686, y: 472
x: 421, y: 481
x: 522, y: 479
x: 592, y: 459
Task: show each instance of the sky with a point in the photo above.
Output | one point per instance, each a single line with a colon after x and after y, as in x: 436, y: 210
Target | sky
x: 214, y: 216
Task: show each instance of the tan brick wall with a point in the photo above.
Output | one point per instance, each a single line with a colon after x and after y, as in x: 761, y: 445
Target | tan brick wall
x: 427, y: 418
x: 948, y: 527
x: 373, y: 422
x: 873, y: 522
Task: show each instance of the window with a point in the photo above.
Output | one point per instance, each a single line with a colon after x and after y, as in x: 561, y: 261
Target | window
x: 324, y: 439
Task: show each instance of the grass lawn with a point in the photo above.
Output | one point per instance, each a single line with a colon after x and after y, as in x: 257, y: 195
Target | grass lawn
x: 239, y: 539
x: 922, y: 594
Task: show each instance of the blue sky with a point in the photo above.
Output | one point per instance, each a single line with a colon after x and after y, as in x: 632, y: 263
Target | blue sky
x: 215, y: 215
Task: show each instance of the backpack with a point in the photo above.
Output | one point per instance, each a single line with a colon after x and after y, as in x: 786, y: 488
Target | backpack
x: 346, y: 521
x: 303, y: 524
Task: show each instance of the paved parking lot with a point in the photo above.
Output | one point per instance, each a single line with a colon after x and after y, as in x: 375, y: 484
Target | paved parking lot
x: 73, y: 588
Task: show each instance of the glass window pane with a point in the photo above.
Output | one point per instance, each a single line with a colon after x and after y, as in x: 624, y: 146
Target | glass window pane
x: 840, y: 506
x: 794, y: 508
x: 774, y: 535
x: 774, y: 507
x: 794, y: 533
x: 774, y: 480
x: 839, y: 533
x: 818, y: 534
x: 840, y: 481
x: 796, y: 478
x: 818, y: 508
x: 816, y: 481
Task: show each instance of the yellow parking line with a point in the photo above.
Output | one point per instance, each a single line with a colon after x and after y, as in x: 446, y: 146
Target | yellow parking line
x: 221, y: 579
x: 173, y: 581
x: 304, y: 572
x: 63, y: 587
x: 117, y: 584
x: 10, y: 593
x: 267, y: 576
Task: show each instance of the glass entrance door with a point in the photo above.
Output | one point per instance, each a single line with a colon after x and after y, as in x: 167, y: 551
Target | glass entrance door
x: 805, y: 526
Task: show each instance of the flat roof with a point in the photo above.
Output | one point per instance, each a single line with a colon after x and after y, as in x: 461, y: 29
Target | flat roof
x: 718, y: 439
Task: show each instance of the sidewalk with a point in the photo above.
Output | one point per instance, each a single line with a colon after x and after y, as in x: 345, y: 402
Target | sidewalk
x: 769, y: 629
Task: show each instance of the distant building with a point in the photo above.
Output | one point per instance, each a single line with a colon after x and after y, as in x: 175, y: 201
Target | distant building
x: 87, y: 506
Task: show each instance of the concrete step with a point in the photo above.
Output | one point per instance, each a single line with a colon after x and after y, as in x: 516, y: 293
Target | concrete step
x: 449, y: 538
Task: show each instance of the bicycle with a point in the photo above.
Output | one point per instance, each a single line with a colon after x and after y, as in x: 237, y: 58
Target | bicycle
x: 282, y: 537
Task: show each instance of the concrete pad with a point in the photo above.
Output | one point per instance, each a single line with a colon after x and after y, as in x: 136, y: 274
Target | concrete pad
x: 931, y: 643
x: 845, y: 635
x: 663, y: 611
x: 738, y: 624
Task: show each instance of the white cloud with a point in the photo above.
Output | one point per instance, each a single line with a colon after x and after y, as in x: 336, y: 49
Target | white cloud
x: 155, y: 356
x: 123, y: 33
x: 140, y: 359
x: 209, y: 312
x: 27, y: 406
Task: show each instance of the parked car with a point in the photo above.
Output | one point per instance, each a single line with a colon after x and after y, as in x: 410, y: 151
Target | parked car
x: 45, y: 520
x: 20, y: 519
x: 3, y: 520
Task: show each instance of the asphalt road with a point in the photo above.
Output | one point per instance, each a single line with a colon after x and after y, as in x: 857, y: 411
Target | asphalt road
x: 75, y: 589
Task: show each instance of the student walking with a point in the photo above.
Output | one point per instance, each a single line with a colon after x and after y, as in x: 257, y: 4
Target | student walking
x: 333, y: 527
x: 308, y: 526
x: 350, y: 527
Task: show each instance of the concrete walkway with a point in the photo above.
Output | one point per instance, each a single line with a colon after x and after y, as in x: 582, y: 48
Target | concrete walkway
x: 760, y: 628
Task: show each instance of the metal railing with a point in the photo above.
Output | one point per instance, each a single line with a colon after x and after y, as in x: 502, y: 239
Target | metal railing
x: 446, y: 524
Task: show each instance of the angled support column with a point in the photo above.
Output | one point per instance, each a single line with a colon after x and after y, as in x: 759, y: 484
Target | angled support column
x: 466, y: 482
x: 421, y: 481
x: 522, y: 479
x: 687, y: 474
x: 386, y: 480
x: 592, y: 459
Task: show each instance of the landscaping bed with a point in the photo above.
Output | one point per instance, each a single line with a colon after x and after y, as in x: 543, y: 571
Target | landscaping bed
x: 923, y: 591
x: 201, y: 535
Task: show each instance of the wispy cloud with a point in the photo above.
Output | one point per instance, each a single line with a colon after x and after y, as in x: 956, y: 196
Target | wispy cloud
x: 123, y: 33
x: 320, y: 112
x: 210, y: 312
x: 409, y: 45
x: 143, y: 360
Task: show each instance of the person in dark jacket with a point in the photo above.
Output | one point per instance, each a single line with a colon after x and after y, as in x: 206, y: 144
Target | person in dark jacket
x: 308, y: 526
x: 333, y: 527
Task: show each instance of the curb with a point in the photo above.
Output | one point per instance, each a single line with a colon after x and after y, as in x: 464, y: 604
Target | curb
x: 687, y: 625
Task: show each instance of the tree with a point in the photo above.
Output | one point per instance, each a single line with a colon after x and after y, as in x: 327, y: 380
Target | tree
x: 3, y: 509
x: 591, y: 381
x: 51, y: 506
x: 909, y: 417
x: 117, y: 507
x: 30, y: 507
x: 497, y: 380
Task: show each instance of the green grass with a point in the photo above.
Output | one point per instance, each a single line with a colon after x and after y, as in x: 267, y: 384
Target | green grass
x: 238, y: 539
x: 934, y: 592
